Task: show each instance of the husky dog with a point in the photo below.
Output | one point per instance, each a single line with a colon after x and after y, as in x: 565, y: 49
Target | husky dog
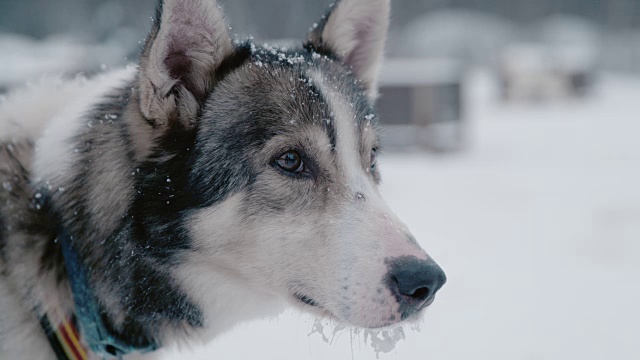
x: 213, y: 183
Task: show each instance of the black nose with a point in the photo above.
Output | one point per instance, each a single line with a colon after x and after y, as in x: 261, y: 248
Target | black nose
x: 414, y: 282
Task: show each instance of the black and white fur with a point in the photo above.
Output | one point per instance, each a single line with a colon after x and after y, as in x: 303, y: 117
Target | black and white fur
x: 164, y: 175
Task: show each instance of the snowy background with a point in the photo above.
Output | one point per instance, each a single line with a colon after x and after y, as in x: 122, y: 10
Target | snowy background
x: 536, y: 215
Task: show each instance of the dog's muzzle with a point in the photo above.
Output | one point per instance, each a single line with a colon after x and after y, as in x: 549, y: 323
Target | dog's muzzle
x: 414, y: 283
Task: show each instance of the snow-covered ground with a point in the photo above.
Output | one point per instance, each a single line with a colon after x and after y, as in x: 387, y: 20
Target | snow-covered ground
x: 537, y: 225
x: 25, y: 59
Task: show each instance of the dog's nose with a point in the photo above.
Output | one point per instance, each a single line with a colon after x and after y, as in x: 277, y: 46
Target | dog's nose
x: 415, y: 282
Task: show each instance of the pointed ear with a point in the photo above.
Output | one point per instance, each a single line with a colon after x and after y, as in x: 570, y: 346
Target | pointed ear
x: 355, y: 31
x: 188, y: 42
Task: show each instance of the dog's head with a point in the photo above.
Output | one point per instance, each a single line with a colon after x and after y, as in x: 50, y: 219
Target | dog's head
x: 281, y: 190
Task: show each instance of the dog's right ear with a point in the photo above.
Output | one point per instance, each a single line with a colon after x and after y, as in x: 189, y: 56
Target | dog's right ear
x: 189, y: 40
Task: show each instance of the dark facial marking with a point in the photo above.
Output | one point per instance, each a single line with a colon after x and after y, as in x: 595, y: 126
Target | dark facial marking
x: 235, y: 60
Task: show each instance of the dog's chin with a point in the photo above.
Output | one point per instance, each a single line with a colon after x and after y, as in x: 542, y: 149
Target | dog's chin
x: 311, y: 306
x: 413, y: 318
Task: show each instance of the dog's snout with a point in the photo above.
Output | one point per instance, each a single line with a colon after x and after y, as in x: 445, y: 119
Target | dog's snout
x: 415, y: 282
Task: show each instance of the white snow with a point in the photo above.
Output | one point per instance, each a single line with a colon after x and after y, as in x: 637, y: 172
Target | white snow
x: 23, y: 58
x: 537, y: 225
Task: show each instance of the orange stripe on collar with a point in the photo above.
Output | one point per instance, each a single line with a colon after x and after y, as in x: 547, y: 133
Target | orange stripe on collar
x: 70, y: 339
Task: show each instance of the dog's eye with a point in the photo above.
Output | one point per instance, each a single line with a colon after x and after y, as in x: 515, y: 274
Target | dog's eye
x: 373, y: 159
x: 291, y: 161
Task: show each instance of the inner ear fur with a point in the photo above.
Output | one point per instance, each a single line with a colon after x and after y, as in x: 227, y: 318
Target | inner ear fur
x: 188, y: 42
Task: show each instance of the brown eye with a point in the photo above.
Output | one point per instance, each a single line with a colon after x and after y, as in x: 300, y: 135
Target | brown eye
x: 291, y: 161
x: 373, y: 159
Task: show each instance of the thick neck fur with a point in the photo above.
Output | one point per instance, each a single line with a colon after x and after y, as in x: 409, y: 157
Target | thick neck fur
x: 123, y: 206
x: 33, y: 280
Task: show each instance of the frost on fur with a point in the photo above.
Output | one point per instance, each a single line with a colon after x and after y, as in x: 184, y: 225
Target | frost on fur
x: 380, y: 340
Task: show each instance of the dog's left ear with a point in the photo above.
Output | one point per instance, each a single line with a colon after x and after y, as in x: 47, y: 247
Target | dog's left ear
x: 189, y: 40
x: 355, y: 31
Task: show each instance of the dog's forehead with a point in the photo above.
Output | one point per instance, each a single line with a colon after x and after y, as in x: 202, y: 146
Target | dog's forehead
x: 287, y: 88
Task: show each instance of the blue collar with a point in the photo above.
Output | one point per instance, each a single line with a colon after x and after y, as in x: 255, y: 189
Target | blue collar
x: 96, y: 334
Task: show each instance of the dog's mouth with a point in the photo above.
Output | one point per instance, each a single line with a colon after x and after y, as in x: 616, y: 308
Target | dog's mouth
x: 306, y: 300
x: 315, y: 307
x: 428, y: 302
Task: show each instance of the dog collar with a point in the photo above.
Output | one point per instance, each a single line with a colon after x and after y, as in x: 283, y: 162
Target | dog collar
x: 95, y: 333
x: 65, y: 339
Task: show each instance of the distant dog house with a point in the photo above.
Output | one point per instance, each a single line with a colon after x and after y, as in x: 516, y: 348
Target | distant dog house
x: 546, y: 72
x: 421, y: 104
